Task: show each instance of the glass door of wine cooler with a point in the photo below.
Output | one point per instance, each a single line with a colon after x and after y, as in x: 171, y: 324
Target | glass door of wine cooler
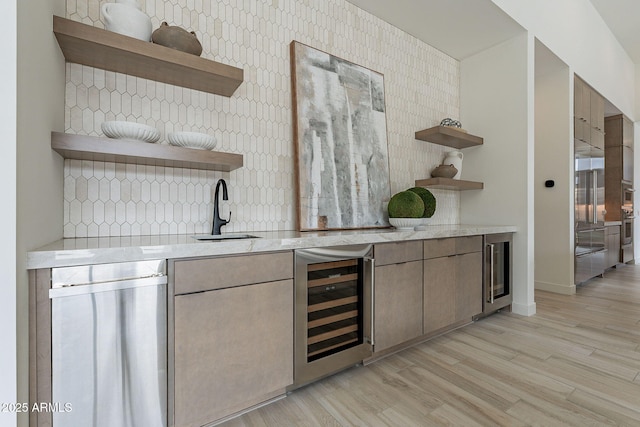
x: 334, y: 319
x: 497, y: 271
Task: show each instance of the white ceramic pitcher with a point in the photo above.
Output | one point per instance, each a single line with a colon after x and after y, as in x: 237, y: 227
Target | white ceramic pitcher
x: 125, y: 17
x: 454, y: 158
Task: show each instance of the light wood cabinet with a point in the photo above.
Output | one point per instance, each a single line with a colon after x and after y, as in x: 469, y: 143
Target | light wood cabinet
x: 618, y: 166
x: 205, y: 274
x: 398, y: 293
x: 452, y: 281
x: 468, y: 285
x: 581, y: 100
x: 596, y: 105
x: 582, y: 112
x: 588, y: 112
x: 439, y: 293
x: 232, y: 341
x: 398, y: 304
x: 597, y: 120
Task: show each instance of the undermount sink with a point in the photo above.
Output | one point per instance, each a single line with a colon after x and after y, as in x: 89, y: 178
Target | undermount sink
x: 226, y: 236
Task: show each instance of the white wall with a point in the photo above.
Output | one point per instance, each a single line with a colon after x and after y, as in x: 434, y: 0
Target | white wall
x: 39, y: 169
x: 421, y: 88
x: 576, y: 33
x: 8, y: 362
x: 496, y: 99
x: 554, y: 240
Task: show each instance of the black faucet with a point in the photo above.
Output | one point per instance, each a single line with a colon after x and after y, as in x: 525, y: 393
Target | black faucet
x: 217, y: 221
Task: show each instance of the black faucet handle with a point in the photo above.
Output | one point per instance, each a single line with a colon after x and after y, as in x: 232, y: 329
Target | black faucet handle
x: 227, y: 221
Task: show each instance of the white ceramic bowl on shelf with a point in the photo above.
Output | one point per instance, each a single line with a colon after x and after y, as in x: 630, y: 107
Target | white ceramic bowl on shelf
x: 197, y: 140
x: 406, y: 223
x: 130, y: 130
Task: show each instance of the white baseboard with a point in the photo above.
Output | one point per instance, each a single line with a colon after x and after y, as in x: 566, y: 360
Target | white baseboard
x: 556, y: 288
x: 523, y: 309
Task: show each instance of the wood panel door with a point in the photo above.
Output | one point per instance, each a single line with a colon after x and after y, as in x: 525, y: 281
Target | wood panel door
x: 468, y: 286
x: 398, y: 304
x: 439, y: 280
x: 233, y: 349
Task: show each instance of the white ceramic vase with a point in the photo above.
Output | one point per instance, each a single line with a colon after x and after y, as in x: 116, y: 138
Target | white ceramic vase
x: 125, y: 17
x: 454, y: 158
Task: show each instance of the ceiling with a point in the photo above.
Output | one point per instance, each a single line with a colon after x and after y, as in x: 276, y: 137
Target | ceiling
x: 453, y: 27
x: 623, y: 18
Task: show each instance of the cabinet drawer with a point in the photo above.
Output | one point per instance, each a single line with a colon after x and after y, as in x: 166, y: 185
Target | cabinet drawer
x: 205, y: 274
x: 436, y: 248
x: 395, y: 253
x: 465, y: 245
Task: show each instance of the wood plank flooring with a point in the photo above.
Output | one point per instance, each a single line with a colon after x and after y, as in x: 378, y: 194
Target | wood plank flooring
x: 575, y: 363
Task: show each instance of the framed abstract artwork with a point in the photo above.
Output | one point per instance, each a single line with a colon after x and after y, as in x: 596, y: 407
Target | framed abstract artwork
x: 340, y: 139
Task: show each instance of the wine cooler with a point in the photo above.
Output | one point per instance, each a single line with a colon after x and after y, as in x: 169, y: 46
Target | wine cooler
x: 498, y: 262
x: 333, y: 310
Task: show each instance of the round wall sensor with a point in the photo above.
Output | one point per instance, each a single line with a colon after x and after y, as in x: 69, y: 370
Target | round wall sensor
x: 549, y: 183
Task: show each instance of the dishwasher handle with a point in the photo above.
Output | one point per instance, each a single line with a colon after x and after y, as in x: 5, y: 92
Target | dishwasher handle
x: 116, y: 285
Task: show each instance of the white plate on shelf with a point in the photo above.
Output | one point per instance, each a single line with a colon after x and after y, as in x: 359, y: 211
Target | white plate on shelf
x: 130, y: 130
x: 200, y: 141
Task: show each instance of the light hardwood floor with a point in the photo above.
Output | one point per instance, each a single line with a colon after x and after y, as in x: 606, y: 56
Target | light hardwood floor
x: 576, y: 362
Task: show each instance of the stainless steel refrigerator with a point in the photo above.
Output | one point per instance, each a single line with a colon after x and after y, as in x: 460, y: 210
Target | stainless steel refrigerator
x: 590, y: 250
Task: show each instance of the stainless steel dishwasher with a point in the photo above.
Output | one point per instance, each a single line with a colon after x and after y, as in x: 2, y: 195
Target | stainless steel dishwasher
x: 109, y: 344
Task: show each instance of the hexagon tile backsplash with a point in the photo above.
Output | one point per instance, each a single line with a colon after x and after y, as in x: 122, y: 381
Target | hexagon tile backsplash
x: 107, y: 199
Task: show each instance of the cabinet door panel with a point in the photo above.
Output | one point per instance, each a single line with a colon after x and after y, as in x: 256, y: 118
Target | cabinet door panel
x: 578, y: 105
x: 439, y: 248
x: 393, y: 253
x: 578, y: 129
x: 469, y: 286
x: 439, y: 293
x: 586, y: 103
x: 398, y: 304
x: 627, y: 133
x: 597, y: 111
x: 232, y: 346
x: 597, y: 139
x: 468, y: 244
x: 206, y: 274
x: 627, y: 163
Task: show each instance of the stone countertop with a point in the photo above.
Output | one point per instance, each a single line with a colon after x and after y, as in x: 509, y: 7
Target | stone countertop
x: 98, y: 250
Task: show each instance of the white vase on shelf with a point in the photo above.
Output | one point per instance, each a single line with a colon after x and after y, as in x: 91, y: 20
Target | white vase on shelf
x: 125, y: 17
x: 454, y: 158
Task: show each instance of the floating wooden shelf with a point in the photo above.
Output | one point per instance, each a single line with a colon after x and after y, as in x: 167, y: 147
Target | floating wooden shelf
x: 449, y: 184
x: 87, y: 45
x: 81, y: 147
x: 449, y: 136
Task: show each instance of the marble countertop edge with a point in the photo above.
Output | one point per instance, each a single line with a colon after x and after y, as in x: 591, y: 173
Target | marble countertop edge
x: 99, y: 250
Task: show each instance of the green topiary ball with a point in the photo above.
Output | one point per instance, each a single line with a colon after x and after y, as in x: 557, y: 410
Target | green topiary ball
x: 406, y: 204
x: 427, y: 198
